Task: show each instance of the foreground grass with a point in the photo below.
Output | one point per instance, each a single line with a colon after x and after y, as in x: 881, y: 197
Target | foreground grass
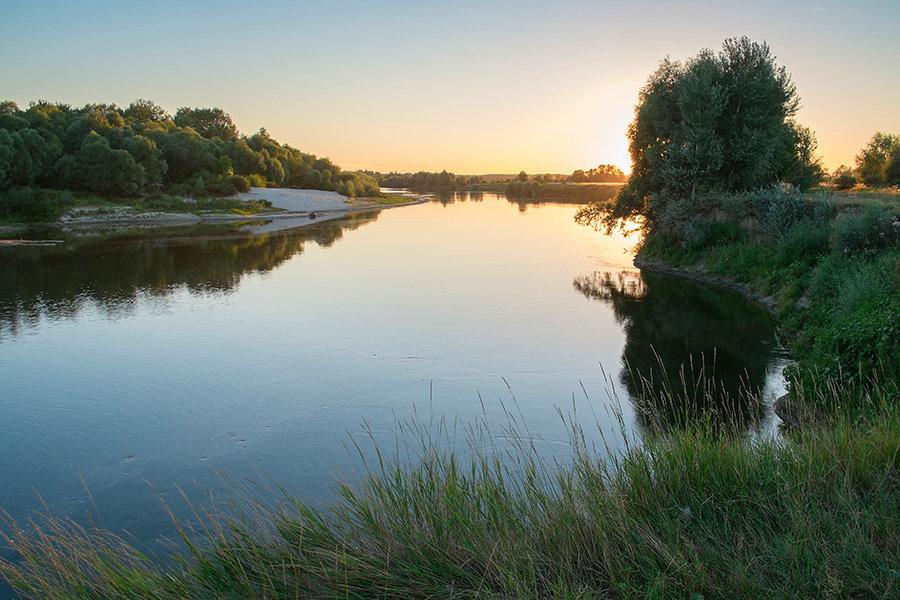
x: 689, y: 515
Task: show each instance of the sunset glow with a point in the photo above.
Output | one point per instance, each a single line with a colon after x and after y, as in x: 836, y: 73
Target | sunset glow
x: 468, y: 87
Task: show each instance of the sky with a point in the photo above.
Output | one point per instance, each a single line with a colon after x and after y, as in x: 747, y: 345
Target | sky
x: 470, y: 87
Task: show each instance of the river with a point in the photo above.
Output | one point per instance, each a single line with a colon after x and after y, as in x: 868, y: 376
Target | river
x: 137, y: 367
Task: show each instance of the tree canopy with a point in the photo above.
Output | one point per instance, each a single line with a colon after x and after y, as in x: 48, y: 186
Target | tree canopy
x: 879, y: 162
x: 719, y: 122
x: 105, y: 149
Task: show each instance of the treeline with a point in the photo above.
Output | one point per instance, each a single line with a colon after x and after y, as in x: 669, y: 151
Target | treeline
x: 877, y: 165
x: 126, y: 152
x: 425, y: 181
x: 600, y: 174
x: 538, y: 190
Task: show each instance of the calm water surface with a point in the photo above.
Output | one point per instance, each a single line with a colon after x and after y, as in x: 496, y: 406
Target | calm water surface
x: 136, y: 361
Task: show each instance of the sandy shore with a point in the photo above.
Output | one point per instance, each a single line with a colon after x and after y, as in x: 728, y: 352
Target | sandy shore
x: 298, y: 208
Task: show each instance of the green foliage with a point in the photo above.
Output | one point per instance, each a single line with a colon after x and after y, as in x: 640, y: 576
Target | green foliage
x: 879, y: 162
x: 843, y: 178
x: 256, y: 180
x: 98, y: 168
x: 211, y: 123
x: 835, y: 277
x: 104, y: 149
x: 145, y: 110
x: 30, y: 205
x: 717, y: 123
x: 869, y: 231
x: 422, y: 181
x: 599, y: 174
x: 8, y: 107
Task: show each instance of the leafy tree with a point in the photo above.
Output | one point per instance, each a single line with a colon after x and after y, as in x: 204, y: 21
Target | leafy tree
x: 147, y: 154
x: 843, y: 178
x: 522, y: 176
x: 145, y: 110
x: 98, y: 168
x: 877, y: 163
x: 54, y: 117
x: 186, y: 153
x: 600, y: 174
x: 717, y: 123
x: 244, y: 159
x: 211, y: 123
x: 7, y: 159
x: 8, y: 107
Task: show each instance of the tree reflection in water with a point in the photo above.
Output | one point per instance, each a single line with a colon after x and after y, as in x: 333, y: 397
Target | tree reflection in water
x: 708, y: 363
x: 111, y: 271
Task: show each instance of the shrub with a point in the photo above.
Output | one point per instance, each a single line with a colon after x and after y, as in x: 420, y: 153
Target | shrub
x: 704, y: 233
x: 802, y: 242
x: 871, y: 230
x: 30, y: 205
x: 256, y: 180
x: 843, y: 178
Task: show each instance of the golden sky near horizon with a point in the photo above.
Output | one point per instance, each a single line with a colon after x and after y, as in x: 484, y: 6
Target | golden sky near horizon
x: 471, y: 87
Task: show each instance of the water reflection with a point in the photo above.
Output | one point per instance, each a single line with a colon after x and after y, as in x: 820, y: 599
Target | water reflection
x: 709, y: 346
x: 109, y: 271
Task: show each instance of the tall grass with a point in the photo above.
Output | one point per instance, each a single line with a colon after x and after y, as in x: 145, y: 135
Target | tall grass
x: 695, y: 513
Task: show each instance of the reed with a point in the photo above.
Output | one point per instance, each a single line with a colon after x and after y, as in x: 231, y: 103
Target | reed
x: 696, y: 512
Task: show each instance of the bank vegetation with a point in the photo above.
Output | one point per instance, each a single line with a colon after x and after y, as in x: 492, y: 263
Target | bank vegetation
x: 52, y: 155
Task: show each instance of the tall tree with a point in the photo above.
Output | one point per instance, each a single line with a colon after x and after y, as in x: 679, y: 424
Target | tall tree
x: 719, y: 122
x: 877, y: 162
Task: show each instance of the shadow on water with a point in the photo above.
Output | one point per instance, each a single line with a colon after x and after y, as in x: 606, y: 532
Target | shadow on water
x: 729, y: 342
x: 110, y: 270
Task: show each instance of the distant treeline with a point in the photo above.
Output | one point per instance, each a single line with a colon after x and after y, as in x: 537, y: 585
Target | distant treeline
x: 126, y: 152
x: 447, y: 181
x: 425, y: 181
x: 524, y: 190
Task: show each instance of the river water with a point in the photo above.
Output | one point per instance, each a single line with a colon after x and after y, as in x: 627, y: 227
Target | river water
x: 137, y: 367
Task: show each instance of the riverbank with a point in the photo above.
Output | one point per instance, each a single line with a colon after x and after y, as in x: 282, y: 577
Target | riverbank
x: 280, y: 208
x: 830, y: 273
x: 688, y: 515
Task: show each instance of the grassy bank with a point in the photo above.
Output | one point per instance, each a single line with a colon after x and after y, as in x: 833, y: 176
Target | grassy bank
x: 690, y: 515
x: 32, y: 205
x: 829, y: 267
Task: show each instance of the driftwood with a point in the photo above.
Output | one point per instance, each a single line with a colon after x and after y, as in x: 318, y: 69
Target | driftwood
x: 30, y: 242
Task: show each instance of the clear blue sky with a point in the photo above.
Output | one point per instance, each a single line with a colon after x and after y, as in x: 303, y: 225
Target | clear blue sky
x: 472, y: 87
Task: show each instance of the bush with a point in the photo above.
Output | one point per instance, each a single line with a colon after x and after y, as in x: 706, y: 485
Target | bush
x: 30, y: 205
x: 704, y: 233
x: 805, y: 241
x: 871, y: 230
x: 843, y: 178
x: 868, y: 340
x: 256, y: 180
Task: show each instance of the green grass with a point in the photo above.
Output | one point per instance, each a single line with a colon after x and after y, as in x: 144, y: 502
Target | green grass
x: 26, y: 205
x: 203, y: 205
x: 690, y: 514
x: 885, y: 198
x: 834, y: 277
x: 383, y: 199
